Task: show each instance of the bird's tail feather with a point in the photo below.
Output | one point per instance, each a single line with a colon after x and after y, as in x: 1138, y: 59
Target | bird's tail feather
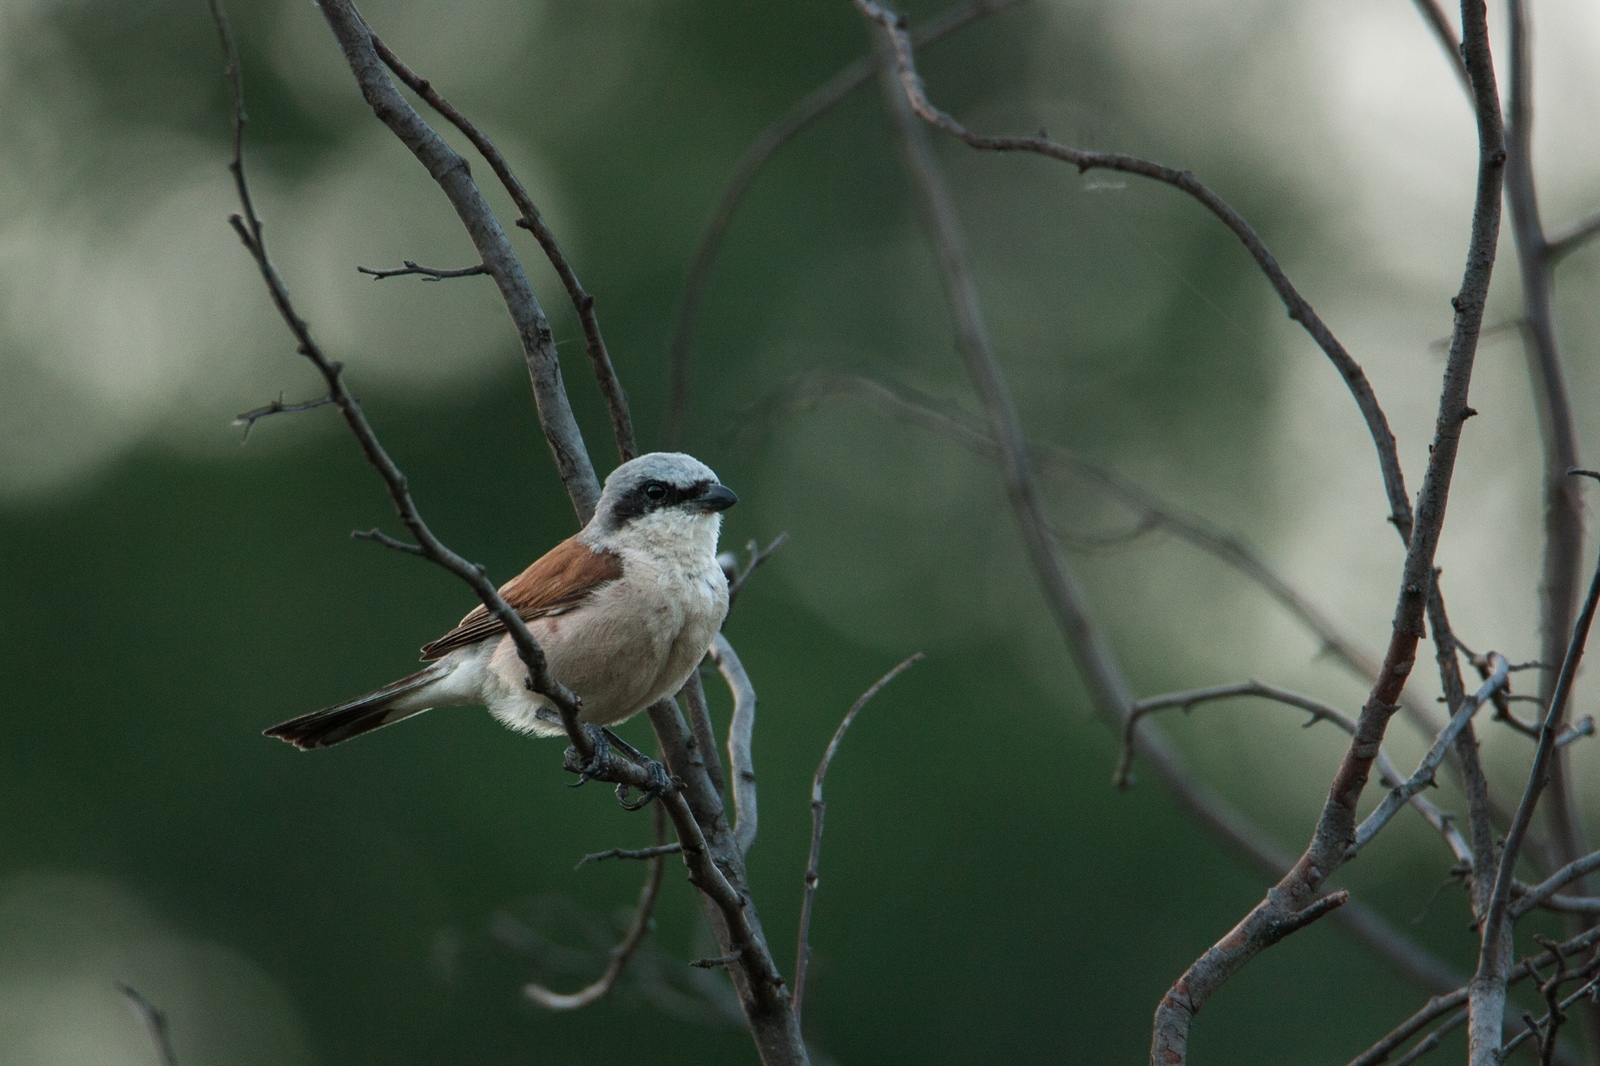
x: 333, y: 725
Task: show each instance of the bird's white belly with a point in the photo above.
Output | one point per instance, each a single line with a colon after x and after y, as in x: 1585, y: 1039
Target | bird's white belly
x: 634, y: 643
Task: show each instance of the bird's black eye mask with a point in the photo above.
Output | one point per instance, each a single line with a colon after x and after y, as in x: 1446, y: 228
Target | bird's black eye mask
x: 656, y: 496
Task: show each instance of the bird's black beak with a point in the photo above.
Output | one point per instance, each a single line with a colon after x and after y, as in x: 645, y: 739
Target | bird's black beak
x: 715, y: 498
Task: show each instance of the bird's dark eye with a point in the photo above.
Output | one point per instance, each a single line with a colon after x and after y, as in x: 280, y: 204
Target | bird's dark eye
x: 654, y: 491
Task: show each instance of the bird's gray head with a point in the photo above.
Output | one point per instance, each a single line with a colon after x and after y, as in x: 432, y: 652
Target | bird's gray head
x: 663, y: 488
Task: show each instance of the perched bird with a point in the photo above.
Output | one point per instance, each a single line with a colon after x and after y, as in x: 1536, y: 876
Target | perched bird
x: 624, y: 611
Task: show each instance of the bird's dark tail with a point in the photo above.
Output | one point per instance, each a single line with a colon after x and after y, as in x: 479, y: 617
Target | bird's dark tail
x: 380, y: 707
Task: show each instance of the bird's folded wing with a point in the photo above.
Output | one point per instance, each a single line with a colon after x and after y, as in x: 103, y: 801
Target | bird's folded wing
x: 562, y: 579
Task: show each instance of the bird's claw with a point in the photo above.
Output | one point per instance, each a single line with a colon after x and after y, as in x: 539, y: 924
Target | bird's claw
x: 660, y: 784
x: 604, y: 763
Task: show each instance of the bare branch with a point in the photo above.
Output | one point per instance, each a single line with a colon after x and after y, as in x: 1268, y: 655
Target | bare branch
x: 623, y: 952
x: 1335, y: 829
x: 1107, y: 685
x: 816, y: 104
x: 1547, y: 888
x: 741, y: 761
x: 1562, y: 571
x: 155, y: 1022
x: 1481, y: 809
x: 705, y: 734
x: 1494, y: 958
x: 599, y: 358
x: 717, y: 869
x: 629, y: 853
x: 818, y: 810
x: 426, y: 273
x: 1320, y: 712
x: 1423, y: 777
x: 378, y: 536
x: 277, y: 407
x: 451, y: 172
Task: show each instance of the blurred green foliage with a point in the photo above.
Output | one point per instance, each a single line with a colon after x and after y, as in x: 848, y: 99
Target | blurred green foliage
x: 986, y: 896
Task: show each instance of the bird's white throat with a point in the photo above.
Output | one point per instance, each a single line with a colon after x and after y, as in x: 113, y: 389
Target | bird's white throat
x: 671, y: 537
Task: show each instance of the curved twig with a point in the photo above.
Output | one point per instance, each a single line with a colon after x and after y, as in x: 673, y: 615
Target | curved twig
x: 741, y: 761
x: 1547, y: 888
x: 1320, y: 712
x: 623, y: 952
x: 818, y: 810
x: 1299, y: 308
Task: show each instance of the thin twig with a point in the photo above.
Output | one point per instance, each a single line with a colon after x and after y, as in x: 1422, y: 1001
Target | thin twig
x: 378, y: 536
x: 1536, y: 895
x: 629, y: 853
x: 720, y: 960
x: 741, y: 760
x: 818, y: 810
x: 812, y: 107
x: 1547, y: 1042
x: 155, y: 1023
x: 1320, y: 712
x: 758, y: 555
x: 427, y: 273
x: 277, y: 407
x: 1423, y: 777
x: 624, y: 950
x: 583, y: 303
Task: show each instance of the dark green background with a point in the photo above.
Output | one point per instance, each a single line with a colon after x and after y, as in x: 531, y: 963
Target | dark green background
x: 986, y: 895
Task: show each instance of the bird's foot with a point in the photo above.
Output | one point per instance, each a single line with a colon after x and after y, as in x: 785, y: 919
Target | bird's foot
x: 605, y: 766
x: 660, y: 784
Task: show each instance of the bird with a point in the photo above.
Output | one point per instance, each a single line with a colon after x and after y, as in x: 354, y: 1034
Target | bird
x: 624, y: 610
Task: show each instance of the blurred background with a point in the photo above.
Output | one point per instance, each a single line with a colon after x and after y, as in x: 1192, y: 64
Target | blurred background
x: 171, y: 588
